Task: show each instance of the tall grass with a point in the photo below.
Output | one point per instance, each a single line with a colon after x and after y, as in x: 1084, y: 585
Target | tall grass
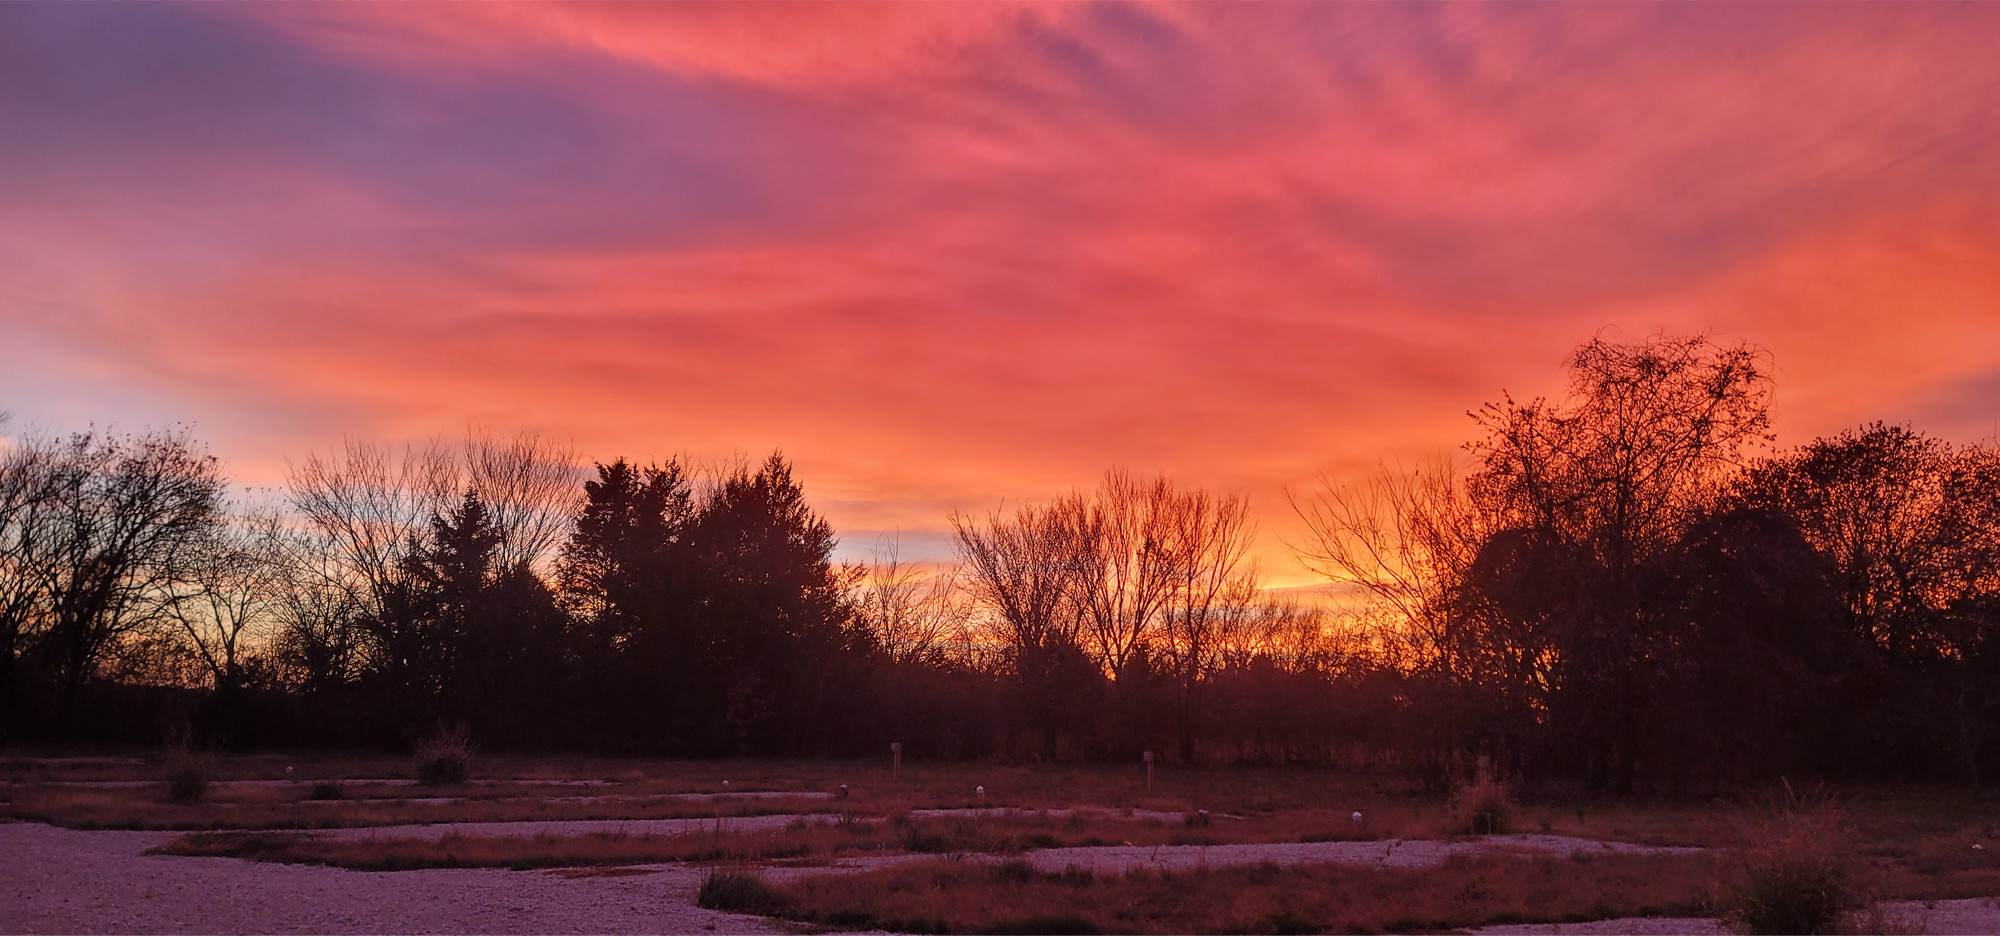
x: 1482, y: 807
x: 444, y: 757
x: 188, y: 773
x: 1014, y: 897
x: 1798, y: 874
x: 739, y: 892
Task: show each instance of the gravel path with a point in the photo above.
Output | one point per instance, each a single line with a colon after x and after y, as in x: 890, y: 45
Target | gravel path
x: 60, y: 881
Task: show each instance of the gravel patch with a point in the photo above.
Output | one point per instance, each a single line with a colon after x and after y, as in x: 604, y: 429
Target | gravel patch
x: 60, y: 881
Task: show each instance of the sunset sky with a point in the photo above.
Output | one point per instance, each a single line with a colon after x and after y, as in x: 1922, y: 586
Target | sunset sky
x: 945, y: 255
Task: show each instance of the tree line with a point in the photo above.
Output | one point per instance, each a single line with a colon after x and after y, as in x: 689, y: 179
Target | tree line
x: 1629, y: 586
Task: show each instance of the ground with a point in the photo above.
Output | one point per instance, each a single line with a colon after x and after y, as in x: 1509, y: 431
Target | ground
x: 281, y: 843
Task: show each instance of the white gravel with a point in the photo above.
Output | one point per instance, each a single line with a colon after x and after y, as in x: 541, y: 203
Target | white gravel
x: 60, y: 881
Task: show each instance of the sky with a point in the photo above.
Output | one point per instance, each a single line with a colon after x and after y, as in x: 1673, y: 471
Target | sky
x: 946, y: 256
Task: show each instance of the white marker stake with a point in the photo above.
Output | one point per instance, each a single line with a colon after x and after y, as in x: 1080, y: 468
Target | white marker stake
x: 1149, y: 774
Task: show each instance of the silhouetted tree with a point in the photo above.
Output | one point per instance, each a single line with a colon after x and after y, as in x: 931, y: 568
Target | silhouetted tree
x: 1588, y: 490
x: 773, y: 620
x: 1024, y: 570
x: 101, y: 529
x: 1910, y: 525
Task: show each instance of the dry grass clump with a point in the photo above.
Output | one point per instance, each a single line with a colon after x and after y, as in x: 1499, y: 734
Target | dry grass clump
x: 739, y: 892
x: 188, y: 774
x: 517, y: 853
x: 1799, y: 874
x: 268, y: 809
x: 802, y: 838
x: 444, y: 757
x: 1483, y: 807
x: 1014, y: 897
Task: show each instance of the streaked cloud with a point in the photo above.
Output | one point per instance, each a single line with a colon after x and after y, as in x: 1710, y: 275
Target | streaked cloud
x: 948, y: 254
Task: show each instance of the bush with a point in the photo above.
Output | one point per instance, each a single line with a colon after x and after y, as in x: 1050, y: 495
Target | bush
x: 445, y: 757
x: 737, y: 892
x: 187, y: 776
x: 327, y: 790
x: 1797, y: 876
x: 1482, y: 807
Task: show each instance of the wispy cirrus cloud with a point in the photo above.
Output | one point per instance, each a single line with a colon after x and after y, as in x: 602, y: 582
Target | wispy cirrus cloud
x: 945, y: 254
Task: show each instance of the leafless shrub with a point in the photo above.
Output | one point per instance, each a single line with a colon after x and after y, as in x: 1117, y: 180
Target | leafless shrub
x: 444, y: 757
x: 1798, y: 873
x: 1484, y: 806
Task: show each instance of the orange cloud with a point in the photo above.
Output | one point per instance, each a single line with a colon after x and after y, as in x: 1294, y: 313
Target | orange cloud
x: 944, y: 255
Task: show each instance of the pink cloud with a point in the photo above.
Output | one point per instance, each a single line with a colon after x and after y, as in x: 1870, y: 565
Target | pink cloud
x: 943, y: 255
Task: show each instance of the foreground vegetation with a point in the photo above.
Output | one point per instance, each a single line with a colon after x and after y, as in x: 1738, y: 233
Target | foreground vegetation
x: 1014, y: 897
x: 1774, y: 859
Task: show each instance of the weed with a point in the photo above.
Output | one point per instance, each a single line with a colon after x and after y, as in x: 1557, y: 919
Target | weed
x: 187, y: 776
x: 1482, y: 807
x: 444, y: 757
x: 737, y: 892
x: 1015, y: 872
x: 1798, y: 874
x: 1256, y: 899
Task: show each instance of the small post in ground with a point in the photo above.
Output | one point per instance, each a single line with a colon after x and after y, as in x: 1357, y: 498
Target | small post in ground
x: 895, y: 760
x: 1149, y: 774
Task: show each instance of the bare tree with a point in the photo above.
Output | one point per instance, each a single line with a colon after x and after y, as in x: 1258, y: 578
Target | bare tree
x: 532, y: 488
x: 1208, y: 590
x: 229, y: 592
x: 318, y: 644
x: 1024, y: 569
x: 1404, y: 539
x: 27, y: 491
x: 105, y: 529
x: 1586, y: 492
x: 372, y: 506
x: 917, y: 614
x: 1127, y: 566
x: 1634, y: 452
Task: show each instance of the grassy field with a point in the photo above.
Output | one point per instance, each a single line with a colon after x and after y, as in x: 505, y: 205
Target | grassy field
x: 1012, y: 897
x: 1902, y: 842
